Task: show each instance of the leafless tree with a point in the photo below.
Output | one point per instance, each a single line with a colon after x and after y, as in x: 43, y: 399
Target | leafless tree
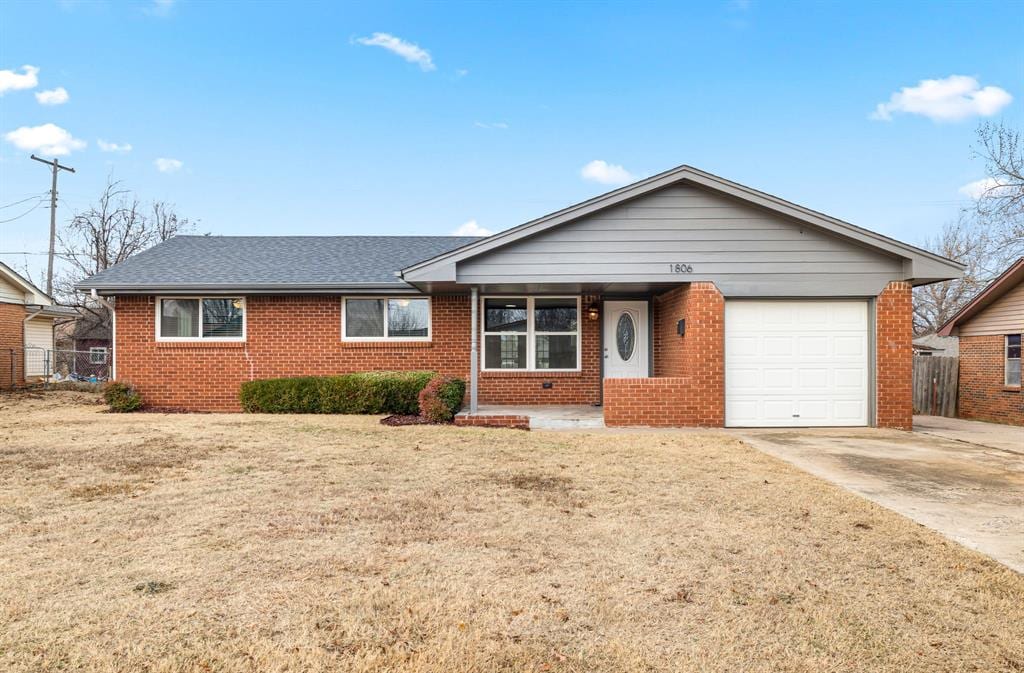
x: 106, y: 233
x: 999, y: 209
x: 936, y: 303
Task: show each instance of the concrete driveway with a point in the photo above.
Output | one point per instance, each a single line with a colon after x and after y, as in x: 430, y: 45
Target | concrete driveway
x: 971, y: 493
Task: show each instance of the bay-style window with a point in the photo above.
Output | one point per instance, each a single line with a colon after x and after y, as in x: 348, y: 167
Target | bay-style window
x: 200, y: 319
x: 1012, y: 366
x: 386, y: 319
x: 531, y: 333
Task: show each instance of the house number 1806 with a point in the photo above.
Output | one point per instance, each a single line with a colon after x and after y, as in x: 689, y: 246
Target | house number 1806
x: 680, y: 268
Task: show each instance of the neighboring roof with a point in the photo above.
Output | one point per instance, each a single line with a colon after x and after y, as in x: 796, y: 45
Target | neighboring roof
x: 947, y: 345
x: 925, y: 266
x: 39, y: 297
x: 1006, y: 281
x: 272, y: 263
x: 91, y: 328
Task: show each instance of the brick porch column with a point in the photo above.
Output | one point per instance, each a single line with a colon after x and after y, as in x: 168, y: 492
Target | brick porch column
x: 894, y: 361
x: 698, y: 356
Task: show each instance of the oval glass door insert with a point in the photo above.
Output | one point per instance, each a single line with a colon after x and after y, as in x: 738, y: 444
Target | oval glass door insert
x: 625, y: 336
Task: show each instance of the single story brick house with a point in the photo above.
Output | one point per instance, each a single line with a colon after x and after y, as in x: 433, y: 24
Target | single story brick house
x: 990, y: 328
x: 27, y: 316
x: 683, y: 299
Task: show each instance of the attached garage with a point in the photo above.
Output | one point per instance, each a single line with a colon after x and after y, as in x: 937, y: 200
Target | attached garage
x: 796, y: 363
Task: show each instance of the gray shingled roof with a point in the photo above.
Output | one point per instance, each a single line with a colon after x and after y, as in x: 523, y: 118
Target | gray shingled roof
x: 272, y: 262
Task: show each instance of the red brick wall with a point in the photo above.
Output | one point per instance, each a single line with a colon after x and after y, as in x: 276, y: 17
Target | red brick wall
x: 982, y: 395
x: 291, y: 336
x: 894, y: 357
x: 688, y: 388
x: 12, y: 337
x: 660, y: 402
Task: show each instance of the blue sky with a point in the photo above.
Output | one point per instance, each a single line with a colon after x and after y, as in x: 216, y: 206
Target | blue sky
x: 293, y: 118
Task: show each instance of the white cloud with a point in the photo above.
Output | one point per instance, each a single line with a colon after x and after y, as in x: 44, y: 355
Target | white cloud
x: 160, y: 8
x: 461, y: 72
x: 491, y: 125
x: 984, y: 187
x: 57, y: 96
x: 407, y: 50
x: 606, y: 173
x: 114, y: 147
x: 951, y: 99
x: 10, y: 80
x: 165, y: 165
x: 471, y: 228
x: 47, y: 139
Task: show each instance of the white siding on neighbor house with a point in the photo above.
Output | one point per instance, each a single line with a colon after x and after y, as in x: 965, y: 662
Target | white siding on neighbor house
x: 745, y: 250
x: 11, y: 293
x: 38, y: 339
x: 1003, y: 316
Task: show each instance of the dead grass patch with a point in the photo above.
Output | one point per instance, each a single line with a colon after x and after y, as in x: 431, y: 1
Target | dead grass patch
x: 173, y: 543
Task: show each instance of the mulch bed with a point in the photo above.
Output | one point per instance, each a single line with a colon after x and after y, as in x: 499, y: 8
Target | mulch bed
x: 407, y: 419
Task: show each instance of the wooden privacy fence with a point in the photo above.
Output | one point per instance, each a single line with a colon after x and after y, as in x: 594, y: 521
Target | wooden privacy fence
x: 935, y: 384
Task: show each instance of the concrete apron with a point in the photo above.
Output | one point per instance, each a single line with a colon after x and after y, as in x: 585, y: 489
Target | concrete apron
x: 970, y: 493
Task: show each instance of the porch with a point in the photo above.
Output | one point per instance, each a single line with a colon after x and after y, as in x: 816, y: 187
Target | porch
x: 534, y: 417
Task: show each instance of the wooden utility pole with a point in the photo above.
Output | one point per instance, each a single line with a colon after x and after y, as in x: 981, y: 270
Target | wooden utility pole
x: 55, y: 165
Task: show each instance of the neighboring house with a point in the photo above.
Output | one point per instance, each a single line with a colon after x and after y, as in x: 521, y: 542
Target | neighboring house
x: 91, y: 343
x: 990, y: 329
x: 683, y: 299
x: 938, y: 346
x: 27, y: 317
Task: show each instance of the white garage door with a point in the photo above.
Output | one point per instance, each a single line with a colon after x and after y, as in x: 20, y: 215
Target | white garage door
x: 796, y: 363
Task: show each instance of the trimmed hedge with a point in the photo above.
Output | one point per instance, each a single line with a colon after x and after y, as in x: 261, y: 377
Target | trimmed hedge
x: 359, y: 393
x: 441, y: 399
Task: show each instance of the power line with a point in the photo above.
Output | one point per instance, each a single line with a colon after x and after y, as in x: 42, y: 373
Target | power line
x: 36, y: 196
x: 18, y: 217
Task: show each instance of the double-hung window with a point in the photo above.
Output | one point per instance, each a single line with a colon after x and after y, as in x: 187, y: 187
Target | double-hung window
x: 531, y: 333
x: 1012, y: 368
x: 200, y: 319
x: 97, y: 355
x: 386, y: 319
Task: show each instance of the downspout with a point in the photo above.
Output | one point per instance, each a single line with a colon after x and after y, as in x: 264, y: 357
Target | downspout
x: 113, y: 331
x: 473, y: 359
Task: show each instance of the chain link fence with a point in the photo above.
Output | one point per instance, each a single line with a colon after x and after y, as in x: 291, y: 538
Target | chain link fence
x: 31, y: 366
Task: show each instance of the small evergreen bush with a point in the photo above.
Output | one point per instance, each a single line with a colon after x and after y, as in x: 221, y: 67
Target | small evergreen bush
x: 359, y: 393
x: 121, y: 397
x: 441, y: 399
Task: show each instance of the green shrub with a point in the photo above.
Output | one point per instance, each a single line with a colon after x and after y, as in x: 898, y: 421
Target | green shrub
x: 360, y: 393
x: 121, y: 397
x: 441, y: 399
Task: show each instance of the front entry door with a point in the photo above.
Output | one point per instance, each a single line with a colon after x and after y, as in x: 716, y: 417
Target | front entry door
x: 625, y: 339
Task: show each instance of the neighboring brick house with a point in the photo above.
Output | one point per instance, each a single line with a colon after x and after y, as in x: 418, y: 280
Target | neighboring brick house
x: 683, y: 299
x: 91, y: 346
x: 27, y: 318
x: 990, y: 329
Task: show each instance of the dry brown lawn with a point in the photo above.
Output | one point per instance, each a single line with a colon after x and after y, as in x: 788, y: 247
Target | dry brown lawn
x: 154, y: 542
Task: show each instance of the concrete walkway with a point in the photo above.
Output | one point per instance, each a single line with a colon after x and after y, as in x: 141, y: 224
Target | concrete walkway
x: 971, y: 493
x: 992, y: 435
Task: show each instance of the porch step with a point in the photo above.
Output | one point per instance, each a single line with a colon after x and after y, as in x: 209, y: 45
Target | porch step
x: 544, y: 423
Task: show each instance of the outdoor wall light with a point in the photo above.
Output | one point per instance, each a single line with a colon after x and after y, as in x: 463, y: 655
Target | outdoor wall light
x: 592, y: 312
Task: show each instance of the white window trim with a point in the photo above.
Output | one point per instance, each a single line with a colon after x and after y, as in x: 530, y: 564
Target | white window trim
x: 386, y: 338
x: 530, y: 333
x: 245, y: 319
x: 1007, y: 358
x: 97, y: 350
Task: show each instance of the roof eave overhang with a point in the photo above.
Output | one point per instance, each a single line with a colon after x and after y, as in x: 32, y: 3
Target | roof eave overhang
x: 924, y: 267
x: 259, y: 288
